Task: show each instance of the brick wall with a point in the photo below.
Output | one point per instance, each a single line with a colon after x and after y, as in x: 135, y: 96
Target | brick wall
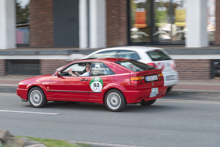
x: 217, y: 28
x: 2, y: 67
x: 49, y: 66
x: 41, y: 23
x: 193, y: 69
x: 116, y: 22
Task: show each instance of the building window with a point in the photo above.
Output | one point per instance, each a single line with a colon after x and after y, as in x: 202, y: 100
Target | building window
x: 22, y: 21
x: 140, y: 21
x: 163, y: 21
x: 170, y: 21
x: 211, y: 20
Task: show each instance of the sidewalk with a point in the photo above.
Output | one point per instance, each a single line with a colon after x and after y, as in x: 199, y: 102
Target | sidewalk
x: 198, y: 86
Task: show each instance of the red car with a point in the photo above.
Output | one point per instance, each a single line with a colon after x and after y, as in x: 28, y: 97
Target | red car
x: 110, y: 81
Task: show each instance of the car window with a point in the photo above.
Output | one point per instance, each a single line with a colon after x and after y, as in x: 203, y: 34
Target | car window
x: 76, y: 67
x: 158, y: 55
x: 128, y: 55
x: 105, y: 54
x: 100, y: 69
x: 135, y: 65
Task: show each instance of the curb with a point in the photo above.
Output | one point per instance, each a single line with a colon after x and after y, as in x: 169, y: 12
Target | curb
x: 196, y: 91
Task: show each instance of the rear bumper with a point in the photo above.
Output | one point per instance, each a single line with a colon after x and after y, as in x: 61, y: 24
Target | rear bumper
x: 22, y: 93
x: 170, y: 82
x: 138, y: 95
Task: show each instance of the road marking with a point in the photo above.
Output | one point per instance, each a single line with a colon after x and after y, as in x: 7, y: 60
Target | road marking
x: 103, y: 144
x: 8, y: 94
x: 28, y: 112
x: 9, y: 85
x: 190, y: 101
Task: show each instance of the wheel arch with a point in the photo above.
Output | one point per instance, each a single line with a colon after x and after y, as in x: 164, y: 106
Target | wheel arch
x: 103, y: 99
x: 32, y: 86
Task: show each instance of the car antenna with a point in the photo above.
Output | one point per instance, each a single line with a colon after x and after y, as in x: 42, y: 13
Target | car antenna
x: 120, y: 54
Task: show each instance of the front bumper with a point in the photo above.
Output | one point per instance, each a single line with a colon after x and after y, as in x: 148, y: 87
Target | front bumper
x: 22, y: 93
x: 138, y: 95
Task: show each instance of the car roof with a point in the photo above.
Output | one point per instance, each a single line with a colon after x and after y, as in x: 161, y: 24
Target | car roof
x: 132, y: 48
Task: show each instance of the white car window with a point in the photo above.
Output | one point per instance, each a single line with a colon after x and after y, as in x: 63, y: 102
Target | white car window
x: 128, y: 55
x: 158, y: 55
x: 105, y: 54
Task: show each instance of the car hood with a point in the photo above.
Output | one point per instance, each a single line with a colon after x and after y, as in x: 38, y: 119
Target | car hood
x: 34, y: 80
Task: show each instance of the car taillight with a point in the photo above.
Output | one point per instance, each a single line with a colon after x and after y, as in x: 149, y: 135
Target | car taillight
x: 152, y: 64
x: 160, y: 76
x: 137, y: 80
x: 173, y: 65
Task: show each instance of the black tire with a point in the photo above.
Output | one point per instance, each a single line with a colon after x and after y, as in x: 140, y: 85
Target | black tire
x: 148, y: 103
x: 37, y: 97
x: 115, y: 101
x: 169, y: 89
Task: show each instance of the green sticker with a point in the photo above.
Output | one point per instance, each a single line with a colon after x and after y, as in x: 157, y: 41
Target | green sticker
x: 96, y: 84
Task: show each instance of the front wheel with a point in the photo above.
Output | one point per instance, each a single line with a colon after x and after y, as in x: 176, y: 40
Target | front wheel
x: 148, y: 103
x: 115, y: 101
x: 36, y: 97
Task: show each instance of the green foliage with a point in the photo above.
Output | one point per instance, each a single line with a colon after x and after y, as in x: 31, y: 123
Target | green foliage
x: 53, y: 142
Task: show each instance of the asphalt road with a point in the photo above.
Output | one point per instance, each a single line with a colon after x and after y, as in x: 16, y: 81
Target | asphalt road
x: 178, y: 120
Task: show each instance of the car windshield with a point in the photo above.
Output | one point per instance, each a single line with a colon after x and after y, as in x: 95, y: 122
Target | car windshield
x: 135, y: 65
x: 158, y: 55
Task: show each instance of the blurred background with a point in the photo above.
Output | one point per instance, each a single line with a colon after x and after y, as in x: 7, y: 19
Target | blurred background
x: 50, y: 33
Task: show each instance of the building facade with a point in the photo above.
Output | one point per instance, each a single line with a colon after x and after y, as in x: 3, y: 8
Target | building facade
x: 106, y: 23
x: 109, y: 23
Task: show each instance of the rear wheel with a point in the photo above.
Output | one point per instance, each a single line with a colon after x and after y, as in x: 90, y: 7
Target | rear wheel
x: 169, y: 88
x: 115, y: 101
x: 36, y: 97
x: 148, y: 103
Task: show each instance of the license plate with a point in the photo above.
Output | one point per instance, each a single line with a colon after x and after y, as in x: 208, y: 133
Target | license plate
x: 154, y: 92
x: 151, y: 78
x: 169, y: 78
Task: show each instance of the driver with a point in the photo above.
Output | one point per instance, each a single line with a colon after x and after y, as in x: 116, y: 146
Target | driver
x: 77, y: 74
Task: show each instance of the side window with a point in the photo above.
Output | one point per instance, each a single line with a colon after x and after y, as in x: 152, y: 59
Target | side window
x: 100, y: 69
x: 105, y: 54
x: 158, y: 55
x: 77, y: 67
x: 129, y: 55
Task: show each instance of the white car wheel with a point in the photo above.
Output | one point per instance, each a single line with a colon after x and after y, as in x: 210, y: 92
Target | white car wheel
x: 36, y: 97
x: 115, y: 101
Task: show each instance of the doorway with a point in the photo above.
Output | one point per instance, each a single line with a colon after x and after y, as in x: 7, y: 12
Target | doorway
x: 66, y: 23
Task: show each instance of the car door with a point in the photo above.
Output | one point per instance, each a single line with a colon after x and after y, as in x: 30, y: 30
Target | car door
x: 70, y: 88
x: 101, y: 75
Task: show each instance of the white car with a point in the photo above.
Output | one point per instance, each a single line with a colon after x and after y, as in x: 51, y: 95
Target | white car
x: 153, y: 56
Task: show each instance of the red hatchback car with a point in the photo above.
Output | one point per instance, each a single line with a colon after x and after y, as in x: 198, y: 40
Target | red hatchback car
x: 110, y: 81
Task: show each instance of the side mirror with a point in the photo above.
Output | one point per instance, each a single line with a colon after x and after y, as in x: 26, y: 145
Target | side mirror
x: 59, y: 74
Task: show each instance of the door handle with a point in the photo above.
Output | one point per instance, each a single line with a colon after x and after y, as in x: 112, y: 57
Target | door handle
x: 84, y: 79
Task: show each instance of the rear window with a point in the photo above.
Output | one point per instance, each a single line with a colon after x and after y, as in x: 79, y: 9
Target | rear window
x: 158, y: 55
x: 135, y: 65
